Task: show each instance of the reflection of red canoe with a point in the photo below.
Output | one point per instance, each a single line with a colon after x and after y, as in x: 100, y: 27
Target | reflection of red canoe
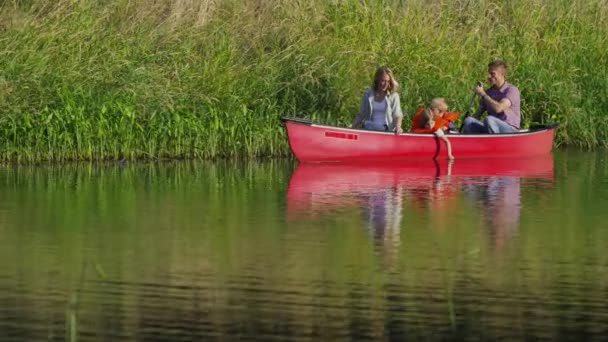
x: 327, y: 183
x: 312, y: 143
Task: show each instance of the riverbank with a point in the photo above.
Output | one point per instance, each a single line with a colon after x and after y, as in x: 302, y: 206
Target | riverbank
x: 191, y: 79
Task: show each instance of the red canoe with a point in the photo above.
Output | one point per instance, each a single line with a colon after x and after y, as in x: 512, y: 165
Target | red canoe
x: 311, y: 142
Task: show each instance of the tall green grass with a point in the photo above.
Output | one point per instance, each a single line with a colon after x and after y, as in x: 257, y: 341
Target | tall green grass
x: 202, y: 79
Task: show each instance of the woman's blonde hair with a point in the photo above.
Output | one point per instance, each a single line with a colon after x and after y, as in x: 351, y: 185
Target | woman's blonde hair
x: 393, y: 84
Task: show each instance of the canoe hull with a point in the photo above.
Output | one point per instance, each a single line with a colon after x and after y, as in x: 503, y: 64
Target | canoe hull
x: 319, y: 143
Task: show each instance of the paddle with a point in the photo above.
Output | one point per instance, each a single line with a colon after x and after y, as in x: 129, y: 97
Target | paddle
x: 468, y: 112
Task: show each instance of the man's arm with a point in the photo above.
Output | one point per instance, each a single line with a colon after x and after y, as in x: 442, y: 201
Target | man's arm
x: 489, y: 103
x: 496, y: 106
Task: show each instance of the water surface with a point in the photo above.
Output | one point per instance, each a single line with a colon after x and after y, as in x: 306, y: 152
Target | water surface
x: 483, y: 250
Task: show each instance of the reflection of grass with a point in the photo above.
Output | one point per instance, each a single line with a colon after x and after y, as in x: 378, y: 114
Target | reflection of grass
x: 71, y: 321
x: 313, y: 264
x: 448, y: 274
x: 126, y: 79
x: 71, y: 312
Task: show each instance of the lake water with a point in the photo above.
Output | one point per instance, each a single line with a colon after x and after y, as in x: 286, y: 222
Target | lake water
x: 273, y: 250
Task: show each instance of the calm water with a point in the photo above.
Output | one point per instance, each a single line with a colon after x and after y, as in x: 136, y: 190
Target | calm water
x: 481, y: 250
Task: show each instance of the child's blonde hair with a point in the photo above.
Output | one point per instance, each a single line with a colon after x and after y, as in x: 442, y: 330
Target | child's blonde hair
x: 438, y: 103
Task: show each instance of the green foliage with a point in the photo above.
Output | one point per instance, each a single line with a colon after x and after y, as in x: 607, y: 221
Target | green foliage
x: 202, y: 79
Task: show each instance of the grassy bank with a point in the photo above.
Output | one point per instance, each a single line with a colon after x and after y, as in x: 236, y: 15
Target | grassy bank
x: 184, y: 78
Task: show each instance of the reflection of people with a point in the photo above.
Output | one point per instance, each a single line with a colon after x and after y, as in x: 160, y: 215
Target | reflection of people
x: 500, y: 197
x: 382, y: 214
x: 380, y: 105
x: 501, y: 101
x: 434, y: 193
x: 426, y: 120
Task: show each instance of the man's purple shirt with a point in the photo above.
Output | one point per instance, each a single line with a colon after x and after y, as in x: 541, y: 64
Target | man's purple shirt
x: 511, y: 115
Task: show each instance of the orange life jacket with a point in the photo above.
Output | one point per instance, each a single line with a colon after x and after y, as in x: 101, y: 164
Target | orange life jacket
x: 451, y: 116
x: 440, y: 122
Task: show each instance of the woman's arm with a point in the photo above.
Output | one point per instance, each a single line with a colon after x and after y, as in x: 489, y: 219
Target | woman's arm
x: 398, y: 121
x: 361, y: 115
x: 397, y: 114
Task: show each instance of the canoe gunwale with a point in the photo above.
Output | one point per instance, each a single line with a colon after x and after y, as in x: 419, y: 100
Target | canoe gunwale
x: 533, y: 129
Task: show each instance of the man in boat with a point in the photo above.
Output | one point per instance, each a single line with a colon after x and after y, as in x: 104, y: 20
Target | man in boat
x: 501, y: 101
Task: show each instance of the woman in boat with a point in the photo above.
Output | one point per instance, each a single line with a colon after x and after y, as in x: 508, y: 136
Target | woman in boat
x: 380, y: 105
x: 426, y: 120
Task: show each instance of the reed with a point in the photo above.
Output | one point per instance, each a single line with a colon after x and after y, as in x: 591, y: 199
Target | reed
x: 205, y: 79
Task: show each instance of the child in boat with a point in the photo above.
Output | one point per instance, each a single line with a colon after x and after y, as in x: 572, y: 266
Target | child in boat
x: 443, y: 118
x: 427, y: 120
x: 439, y: 107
